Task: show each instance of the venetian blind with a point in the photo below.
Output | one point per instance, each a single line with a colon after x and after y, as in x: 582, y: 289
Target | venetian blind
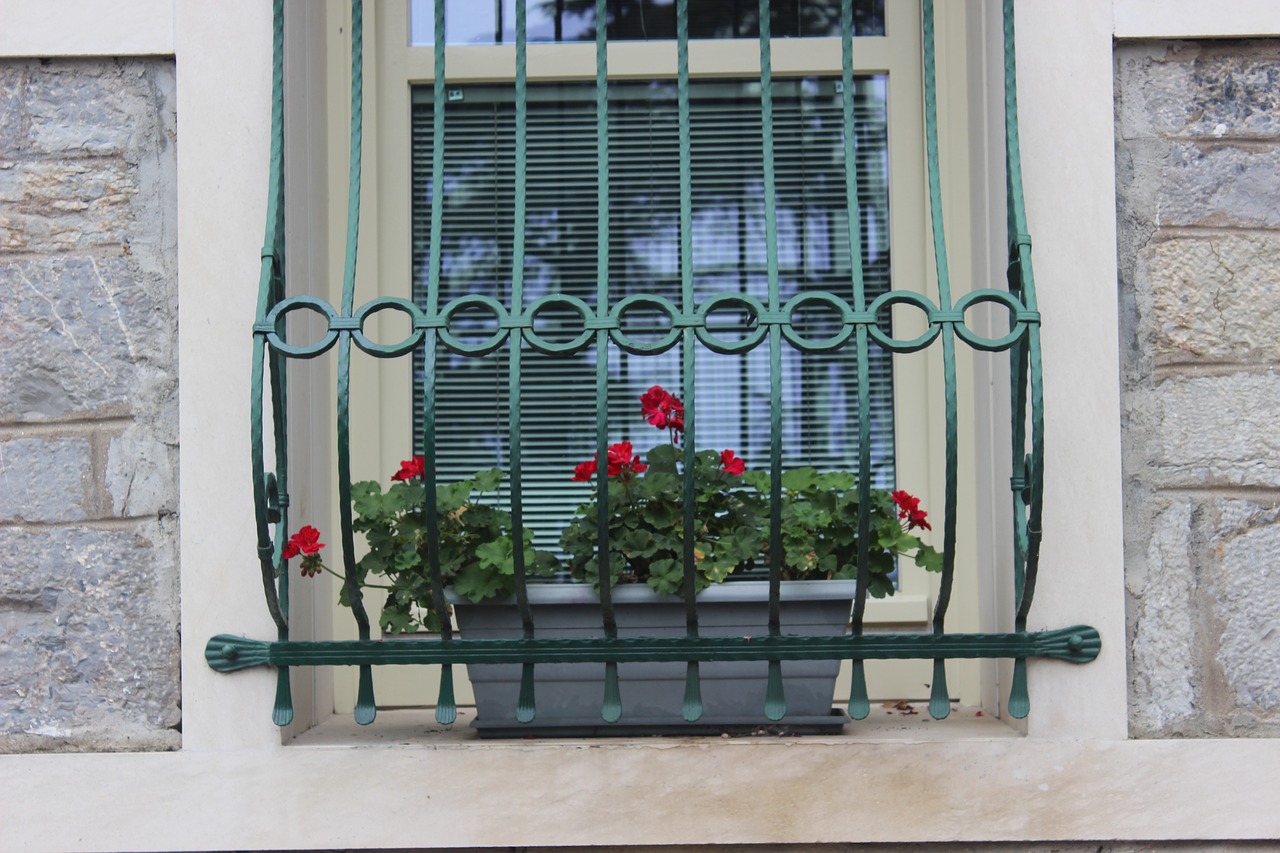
x: 558, y: 394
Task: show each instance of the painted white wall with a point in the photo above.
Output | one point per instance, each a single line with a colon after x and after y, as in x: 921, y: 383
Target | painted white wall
x: 1195, y: 18
x: 86, y: 27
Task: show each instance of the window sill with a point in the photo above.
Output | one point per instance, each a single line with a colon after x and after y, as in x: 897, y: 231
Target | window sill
x: 416, y: 727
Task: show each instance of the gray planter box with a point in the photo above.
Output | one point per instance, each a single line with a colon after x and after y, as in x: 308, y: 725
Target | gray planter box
x: 568, y: 696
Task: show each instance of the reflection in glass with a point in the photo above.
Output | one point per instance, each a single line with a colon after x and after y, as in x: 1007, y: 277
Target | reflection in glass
x: 493, y: 21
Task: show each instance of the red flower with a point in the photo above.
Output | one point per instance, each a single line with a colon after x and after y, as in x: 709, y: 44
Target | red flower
x: 305, y: 541
x: 732, y: 463
x: 622, y: 458
x: 662, y: 409
x: 585, y: 470
x: 410, y: 468
x: 909, y: 508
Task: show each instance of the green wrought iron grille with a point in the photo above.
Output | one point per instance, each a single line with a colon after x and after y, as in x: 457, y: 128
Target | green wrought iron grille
x: 603, y: 329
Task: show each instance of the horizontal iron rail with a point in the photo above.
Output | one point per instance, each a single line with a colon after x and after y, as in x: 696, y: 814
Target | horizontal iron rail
x: 1077, y: 644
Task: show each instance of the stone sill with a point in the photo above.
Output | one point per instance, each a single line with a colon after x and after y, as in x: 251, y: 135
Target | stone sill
x: 906, y: 782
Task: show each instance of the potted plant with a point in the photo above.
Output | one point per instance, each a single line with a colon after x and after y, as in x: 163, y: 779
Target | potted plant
x: 646, y: 523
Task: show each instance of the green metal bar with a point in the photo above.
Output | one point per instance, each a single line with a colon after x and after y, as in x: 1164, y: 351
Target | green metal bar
x: 611, y: 709
x: 268, y: 546
x: 365, y: 706
x: 525, y: 710
x: 859, y: 701
x: 1020, y: 252
x: 692, y: 705
x: 1028, y: 480
x: 939, y: 703
x: 275, y: 575
x: 446, y: 708
x: 775, y: 703
x: 1076, y: 644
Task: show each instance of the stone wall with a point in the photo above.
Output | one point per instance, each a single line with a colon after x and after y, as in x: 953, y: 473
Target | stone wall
x: 1198, y: 169
x: 88, y: 406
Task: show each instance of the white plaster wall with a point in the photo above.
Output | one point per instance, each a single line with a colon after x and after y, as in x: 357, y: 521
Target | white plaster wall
x: 86, y: 28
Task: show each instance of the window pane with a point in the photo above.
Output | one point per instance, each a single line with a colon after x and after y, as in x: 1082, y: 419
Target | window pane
x: 732, y: 394
x: 493, y: 21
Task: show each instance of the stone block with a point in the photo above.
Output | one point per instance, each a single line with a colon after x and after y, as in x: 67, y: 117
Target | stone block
x: 83, y: 336
x: 140, y: 476
x: 1209, y: 431
x: 45, y: 480
x: 89, y: 638
x: 1219, y: 185
x: 12, y: 118
x: 1160, y: 581
x: 1213, y: 299
x: 89, y: 107
x: 1206, y: 90
x: 1248, y: 605
x: 66, y: 205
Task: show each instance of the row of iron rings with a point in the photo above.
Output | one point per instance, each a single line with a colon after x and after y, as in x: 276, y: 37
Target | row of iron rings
x: 666, y: 323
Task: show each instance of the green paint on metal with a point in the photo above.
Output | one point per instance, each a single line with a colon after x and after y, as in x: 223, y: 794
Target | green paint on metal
x: 691, y: 708
x: 446, y: 706
x: 611, y: 707
x: 775, y: 701
x: 859, y: 701
x: 429, y: 507
x: 1077, y: 644
x: 525, y: 710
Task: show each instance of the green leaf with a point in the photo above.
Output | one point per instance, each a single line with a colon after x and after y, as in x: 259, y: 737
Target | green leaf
x: 488, y: 480
x: 799, y: 479
x: 498, y: 555
x: 662, y: 460
x: 476, y: 583
x: 929, y: 559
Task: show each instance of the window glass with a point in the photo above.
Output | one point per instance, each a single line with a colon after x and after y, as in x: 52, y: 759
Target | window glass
x: 558, y: 407
x: 493, y: 21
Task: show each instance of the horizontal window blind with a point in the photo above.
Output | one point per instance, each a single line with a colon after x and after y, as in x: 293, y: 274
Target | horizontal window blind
x: 558, y: 394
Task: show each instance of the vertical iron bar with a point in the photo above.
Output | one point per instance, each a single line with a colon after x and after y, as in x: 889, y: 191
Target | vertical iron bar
x: 269, y: 546
x: 446, y: 709
x: 775, y: 703
x: 1027, y: 369
x: 525, y: 708
x: 692, y: 709
x: 611, y: 709
x: 365, y: 710
x: 859, y: 702
x: 939, y: 702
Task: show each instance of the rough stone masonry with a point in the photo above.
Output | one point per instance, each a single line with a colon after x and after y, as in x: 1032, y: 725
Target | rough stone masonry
x: 1198, y: 185
x: 88, y: 406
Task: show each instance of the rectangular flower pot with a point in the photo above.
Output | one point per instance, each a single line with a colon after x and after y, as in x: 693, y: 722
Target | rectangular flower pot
x: 568, y: 696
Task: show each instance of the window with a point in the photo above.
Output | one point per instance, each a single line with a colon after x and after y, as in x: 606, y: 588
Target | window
x: 888, y: 70
x: 401, y: 67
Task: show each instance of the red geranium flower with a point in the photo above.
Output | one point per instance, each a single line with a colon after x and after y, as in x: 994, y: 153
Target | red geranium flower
x: 909, y: 508
x: 622, y: 458
x: 732, y: 463
x: 662, y: 409
x: 305, y: 541
x: 411, y: 468
x: 585, y: 470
